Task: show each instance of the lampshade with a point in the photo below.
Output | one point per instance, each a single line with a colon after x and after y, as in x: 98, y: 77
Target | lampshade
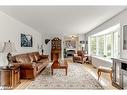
x: 9, y: 47
x: 83, y: 45
x: 72, y: 37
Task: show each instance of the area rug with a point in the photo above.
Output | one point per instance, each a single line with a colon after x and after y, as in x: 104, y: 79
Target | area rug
x: 77, y: 78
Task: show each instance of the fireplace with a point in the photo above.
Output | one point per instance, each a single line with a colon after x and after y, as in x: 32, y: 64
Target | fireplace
x: 70, y: 52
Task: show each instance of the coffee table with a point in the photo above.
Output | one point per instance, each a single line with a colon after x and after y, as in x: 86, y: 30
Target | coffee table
x: 57, y: 65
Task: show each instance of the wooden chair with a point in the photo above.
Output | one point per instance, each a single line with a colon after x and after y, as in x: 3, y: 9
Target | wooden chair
x: 104, y: 70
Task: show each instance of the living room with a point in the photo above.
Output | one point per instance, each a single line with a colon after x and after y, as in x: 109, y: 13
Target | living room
x: 55, y: 34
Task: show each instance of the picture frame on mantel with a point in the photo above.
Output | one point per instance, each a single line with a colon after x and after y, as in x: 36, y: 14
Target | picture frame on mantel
x: 26, y: 40
x: 125, y: 37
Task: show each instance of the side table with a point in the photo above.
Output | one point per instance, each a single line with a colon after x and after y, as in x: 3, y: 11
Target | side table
x: 9, y: 77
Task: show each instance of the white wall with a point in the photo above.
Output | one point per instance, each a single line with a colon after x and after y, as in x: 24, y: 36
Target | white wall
x: 10, y: 29
x: 81, y: 38
x: 46, y: 47
x: 97, y: 61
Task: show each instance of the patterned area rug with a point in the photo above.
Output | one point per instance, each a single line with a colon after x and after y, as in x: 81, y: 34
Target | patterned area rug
x: 77, y: 78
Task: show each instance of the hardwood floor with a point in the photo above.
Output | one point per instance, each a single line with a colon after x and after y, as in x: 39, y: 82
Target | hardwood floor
x: 23, y: 85
x: 104, y: 79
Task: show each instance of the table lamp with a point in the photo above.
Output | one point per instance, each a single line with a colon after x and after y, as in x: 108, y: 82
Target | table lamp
x: 9, y: 47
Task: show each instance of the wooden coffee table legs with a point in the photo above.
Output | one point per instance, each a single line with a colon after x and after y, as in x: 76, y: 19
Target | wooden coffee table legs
x: 62, y: 68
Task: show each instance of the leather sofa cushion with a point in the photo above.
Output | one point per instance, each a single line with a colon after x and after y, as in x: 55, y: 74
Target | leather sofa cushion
x: 23, y: 59
x: 32, y: 57
x: 37, y: 56
x: 39, y: 66
x: 28, y: 60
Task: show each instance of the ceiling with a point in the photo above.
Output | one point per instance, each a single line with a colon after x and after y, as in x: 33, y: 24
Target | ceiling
x: 63, y: 20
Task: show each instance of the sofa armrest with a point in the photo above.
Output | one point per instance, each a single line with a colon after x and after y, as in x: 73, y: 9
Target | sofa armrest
x: 44, y: 56
x: 15, y: 63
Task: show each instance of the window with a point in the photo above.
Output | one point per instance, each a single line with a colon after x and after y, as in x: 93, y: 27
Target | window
x: 105, y: 43
x: 116, y: 41
x: 93, y: 45
x: 101, y: 46
x: 108, y: 45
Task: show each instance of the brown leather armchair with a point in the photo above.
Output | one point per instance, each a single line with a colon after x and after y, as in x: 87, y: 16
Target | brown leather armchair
x: 79, y: 57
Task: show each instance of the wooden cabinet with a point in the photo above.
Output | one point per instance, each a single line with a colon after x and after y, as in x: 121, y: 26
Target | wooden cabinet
x: 9, y: 77
x: 55, y: 48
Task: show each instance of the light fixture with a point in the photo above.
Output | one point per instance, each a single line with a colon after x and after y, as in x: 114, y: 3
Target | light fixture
x: 9, y: 47
x: 72, y: 37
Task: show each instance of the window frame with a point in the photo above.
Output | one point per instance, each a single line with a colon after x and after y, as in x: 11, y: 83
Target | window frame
x: 103, y: 46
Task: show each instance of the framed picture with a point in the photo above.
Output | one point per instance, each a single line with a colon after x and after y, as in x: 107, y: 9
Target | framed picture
x: 26, y: 40
x: 70, y: 44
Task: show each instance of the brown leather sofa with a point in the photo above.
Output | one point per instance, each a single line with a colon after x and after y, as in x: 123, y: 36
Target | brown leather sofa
x: 30, y: 64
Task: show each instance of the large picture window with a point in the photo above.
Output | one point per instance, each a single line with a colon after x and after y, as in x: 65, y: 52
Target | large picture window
x: 106, y: 43
x: 93, y: 45
x: 116, y: 45
x: 101, y: 45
